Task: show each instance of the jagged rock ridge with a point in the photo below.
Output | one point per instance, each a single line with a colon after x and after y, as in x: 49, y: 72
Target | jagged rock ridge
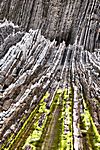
x: 59, y: 19
x: 50, y: 75
x: 49, y: 93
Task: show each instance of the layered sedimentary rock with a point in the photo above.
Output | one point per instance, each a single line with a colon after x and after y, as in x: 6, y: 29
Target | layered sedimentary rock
x: 59, y: 19
x: 49, y: 93
x: 50, y: 75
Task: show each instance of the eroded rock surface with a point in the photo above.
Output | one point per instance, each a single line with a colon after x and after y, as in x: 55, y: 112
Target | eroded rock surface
x: 50, y: 75
x: 59, y: 19
x: 33, y: 66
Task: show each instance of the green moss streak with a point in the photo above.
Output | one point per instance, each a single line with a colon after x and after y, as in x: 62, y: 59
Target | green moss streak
x: 11, y: 137
x: 90, y: 129
x: 28, y: 127
x: 36, y: 134
x: 52, y: 130
x: 7, y: 141
x: 67, y: 136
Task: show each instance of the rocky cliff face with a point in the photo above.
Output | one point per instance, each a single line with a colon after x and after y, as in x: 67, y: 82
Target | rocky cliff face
x: 59, y: 19
x: 50, y: 75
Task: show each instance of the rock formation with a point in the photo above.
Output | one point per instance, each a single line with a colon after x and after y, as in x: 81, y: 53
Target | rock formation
x: 59, y: 19
x: 50, y: 75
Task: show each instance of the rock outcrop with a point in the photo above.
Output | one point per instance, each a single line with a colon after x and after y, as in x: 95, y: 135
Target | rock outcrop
x: 40, y: 80
x: 59, y: 19
x: 50, y: 75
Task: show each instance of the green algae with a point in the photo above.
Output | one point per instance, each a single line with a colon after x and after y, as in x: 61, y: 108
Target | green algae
x: 28, y: 124
x: 7, y: 141
x: 54, y: 122
x: 52, y: 130
x: 11, y: 138
x: 90, y: 129
x: 67, y: 137
x: 36, y: 134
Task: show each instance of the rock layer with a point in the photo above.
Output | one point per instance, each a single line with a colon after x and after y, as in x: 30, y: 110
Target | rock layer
x: 49, y: 93
x: 50, y: 75
x: 59, y: 19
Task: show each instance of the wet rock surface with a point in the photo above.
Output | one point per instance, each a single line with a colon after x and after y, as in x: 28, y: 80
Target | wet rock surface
x: 50, y: 75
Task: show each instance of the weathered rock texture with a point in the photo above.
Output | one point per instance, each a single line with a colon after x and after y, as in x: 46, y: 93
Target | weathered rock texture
x: 50, y: 76
x: 59, y: 19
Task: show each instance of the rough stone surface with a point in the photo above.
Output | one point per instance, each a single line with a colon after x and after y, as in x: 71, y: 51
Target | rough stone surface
x: 60, y: 53
x: 59, y: 19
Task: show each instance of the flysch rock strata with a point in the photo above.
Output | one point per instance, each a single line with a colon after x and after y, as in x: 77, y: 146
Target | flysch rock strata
x: 49, y: 92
